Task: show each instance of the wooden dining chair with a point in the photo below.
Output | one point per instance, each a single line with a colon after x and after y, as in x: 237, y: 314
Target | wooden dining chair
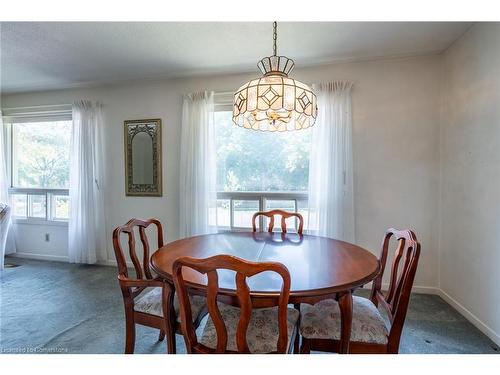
x: 284, y: 215
x: 320, y: 324
x: 148, y: 300
x: 243, y: 329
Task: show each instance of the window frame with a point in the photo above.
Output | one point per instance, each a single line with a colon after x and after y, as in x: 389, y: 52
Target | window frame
x: 223, y: 103
x: 25, y: 115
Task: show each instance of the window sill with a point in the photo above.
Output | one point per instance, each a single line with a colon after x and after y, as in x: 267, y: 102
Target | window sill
x: 40, y: 222
x: 257, y: 194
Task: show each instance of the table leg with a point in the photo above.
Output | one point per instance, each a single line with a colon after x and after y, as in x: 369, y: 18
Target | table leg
x: 345, y: 305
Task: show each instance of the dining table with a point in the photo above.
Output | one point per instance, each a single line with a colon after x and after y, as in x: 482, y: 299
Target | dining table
x: 320, y: 268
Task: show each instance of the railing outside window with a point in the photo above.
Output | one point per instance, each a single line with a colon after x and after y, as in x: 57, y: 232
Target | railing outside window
x: 235, y: 209
x: 40, y: 205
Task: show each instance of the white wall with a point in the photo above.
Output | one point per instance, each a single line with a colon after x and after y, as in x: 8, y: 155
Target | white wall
x: 396, y: 112
x: 470, y: 171
x: 31, y: 241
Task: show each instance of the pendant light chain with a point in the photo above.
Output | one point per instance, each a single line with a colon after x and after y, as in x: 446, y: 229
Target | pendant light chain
x: 275, y: 36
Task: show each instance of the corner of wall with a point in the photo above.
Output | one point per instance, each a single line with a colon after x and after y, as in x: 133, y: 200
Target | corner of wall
x: 442, y: 119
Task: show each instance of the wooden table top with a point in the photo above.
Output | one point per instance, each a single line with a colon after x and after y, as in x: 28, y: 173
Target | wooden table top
x: 317, y: 265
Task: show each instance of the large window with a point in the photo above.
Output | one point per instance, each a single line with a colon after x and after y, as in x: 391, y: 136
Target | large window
x: 259, y: 171
x: 40, y: 169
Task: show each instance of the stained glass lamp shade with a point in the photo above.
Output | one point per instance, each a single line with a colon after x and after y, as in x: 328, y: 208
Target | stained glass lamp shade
x: 275, y: 102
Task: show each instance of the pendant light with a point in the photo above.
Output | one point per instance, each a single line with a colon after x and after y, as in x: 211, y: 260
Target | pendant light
x: 275, y: 102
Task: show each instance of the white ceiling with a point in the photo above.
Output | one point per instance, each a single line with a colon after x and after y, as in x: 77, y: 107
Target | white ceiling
x: 38, y: 56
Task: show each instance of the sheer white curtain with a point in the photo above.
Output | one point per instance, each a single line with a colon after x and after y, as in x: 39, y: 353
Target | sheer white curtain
x: 87, y: 235
x: 331, y: 204
x: 4, y: 183
x: 7, y: 243
x: 198, y: 196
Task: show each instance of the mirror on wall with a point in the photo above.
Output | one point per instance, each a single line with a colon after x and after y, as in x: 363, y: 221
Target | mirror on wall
x: 143, y: 157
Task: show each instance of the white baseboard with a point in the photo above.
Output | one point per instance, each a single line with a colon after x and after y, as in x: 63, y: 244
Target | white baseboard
x: 424, y: 290
x: 61, y: 258
x: 56, y: 258
x: 419, y: 289
x: 112, y: 263
x: 495, y: 337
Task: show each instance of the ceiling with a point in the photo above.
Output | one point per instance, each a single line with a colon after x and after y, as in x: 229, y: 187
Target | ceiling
x: 54, y: 55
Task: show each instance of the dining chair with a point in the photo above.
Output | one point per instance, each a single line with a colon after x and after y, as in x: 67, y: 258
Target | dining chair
x: 242, y: 329
x: 371, y: 332
x: 284, y: 215
x: 148, y: 300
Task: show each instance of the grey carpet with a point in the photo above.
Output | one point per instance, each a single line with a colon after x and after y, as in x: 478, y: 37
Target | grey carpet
x: 51, y: 307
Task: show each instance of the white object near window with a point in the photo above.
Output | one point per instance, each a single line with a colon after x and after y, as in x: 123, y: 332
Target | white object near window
x: 7, y: 243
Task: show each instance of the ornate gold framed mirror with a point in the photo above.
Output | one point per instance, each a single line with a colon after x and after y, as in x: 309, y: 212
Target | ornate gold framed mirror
x: 143, y: 157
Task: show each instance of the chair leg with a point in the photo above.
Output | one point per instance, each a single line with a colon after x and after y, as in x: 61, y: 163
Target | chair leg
x: 169, y: 317
x: 306, y: 346
x: 170, y: 326
x: 296, y: 344
x: 171, y: 345
x: 129, y: 331
x: 162, y: 335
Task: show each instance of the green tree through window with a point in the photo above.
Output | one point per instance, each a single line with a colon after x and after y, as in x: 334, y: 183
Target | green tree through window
x: 249, y: 160
x: 41, y: 154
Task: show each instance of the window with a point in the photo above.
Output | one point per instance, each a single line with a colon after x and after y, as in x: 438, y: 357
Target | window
x: 249, y: 160
x: 259, y: 171
x: 40, y: 168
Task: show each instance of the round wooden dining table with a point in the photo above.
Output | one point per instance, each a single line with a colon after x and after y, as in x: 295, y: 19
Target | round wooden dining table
x: 319, y: 267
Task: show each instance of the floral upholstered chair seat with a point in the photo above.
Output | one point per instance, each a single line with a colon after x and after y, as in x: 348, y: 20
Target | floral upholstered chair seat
x: 150, y: 302
x: 322, y: 321
x: 262, y: 333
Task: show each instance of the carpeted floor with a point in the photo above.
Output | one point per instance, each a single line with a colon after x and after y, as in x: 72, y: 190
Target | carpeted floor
x: 51, y: 307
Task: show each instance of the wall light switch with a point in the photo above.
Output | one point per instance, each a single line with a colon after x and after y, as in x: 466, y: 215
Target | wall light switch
x: 47, y: 237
